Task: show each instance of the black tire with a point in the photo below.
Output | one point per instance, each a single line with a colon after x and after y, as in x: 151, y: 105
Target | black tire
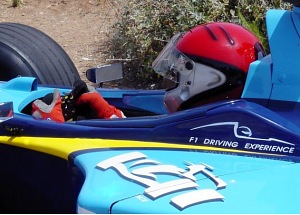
x: 26, y: 51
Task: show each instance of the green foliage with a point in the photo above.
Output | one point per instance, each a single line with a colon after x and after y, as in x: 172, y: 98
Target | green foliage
x: 251, y: 14
x: 144, y: 27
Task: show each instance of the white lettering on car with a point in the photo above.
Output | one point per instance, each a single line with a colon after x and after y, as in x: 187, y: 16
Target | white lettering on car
x: 270, y: 148
x: 186, y: 179
x: 242, y: 139
x: 224, y: 143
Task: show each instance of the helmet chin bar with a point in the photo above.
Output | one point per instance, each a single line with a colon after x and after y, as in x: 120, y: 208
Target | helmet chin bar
x: 201, y: 79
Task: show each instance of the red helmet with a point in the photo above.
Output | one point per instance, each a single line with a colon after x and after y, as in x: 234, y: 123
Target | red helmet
x: 206, y: 64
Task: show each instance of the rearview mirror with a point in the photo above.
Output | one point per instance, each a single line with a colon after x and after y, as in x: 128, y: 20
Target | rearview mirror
x: 6, y: 111
x: 105, y: 73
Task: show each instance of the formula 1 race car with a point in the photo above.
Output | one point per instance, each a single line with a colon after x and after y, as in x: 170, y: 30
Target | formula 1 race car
x: 172, y: 154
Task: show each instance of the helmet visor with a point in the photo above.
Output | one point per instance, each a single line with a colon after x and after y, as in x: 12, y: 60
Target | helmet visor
x: 171, y: 62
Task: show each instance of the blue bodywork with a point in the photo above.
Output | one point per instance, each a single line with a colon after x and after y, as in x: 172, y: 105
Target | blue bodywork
x: 237, y: 156
x: 222, y: 183
x: 237, y: 120
x: 274, y: 80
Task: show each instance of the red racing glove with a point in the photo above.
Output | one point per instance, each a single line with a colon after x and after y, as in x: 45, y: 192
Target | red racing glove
x: 53, y: 111
x: 99, y: 105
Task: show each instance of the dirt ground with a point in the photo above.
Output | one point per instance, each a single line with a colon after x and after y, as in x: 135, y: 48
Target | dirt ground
x: 81, y: 27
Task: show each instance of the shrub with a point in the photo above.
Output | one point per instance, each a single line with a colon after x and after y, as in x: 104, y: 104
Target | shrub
x: 251, y: 14
x: 144, y: 27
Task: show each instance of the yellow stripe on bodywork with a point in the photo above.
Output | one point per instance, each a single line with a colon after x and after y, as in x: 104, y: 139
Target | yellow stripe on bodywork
x: 62, y: 147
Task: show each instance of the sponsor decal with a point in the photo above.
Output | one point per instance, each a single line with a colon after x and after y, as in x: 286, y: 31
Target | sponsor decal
x: 143, y: 171
x: 243, y: 139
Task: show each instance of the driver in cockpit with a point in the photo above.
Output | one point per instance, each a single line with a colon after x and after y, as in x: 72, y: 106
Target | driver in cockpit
x: 206, y: 64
